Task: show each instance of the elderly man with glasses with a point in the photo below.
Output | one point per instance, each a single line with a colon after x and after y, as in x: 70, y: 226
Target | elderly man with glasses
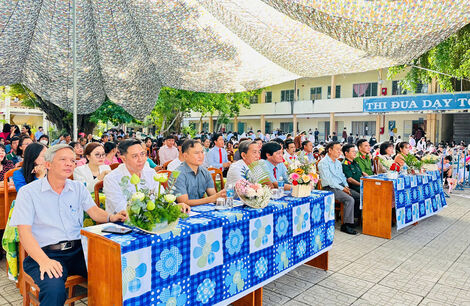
x: 49, y: 216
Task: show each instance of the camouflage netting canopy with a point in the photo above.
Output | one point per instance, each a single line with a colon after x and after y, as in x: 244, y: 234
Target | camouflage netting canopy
x: 128, y: 49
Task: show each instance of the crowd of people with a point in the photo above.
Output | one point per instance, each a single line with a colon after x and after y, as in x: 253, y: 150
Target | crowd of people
x: 66, y: 171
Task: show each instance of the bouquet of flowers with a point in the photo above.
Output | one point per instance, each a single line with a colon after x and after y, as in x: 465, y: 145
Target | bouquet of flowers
x: 152, y: 210
x: 430, y: 159
x: 395, y: 167
x: 302, y: 172
x: 387, y: 163
x: 254, y: 195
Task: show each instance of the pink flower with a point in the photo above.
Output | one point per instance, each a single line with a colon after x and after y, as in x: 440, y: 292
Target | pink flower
x: 294, y: 176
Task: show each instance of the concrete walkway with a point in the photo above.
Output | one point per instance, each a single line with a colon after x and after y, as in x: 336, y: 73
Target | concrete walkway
x: 427, y: 264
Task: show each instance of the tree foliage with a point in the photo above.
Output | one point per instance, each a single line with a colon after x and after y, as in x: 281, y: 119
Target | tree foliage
x: 110, y: 112
x: 452, y: 57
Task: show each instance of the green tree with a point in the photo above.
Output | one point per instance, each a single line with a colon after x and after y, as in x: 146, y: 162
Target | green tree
x: 451, y: 57
x: 110, y: 112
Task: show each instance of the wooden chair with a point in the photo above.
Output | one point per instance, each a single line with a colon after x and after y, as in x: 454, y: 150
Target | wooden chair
x: 215, y: 172
x: 31, y: 291
x: 20, y: 164
x: 165, y: 165
x: 168, y: 172
x: 98, y: 187
x: 7, y: 201
x: 114, y: 166
x: 375, y: 162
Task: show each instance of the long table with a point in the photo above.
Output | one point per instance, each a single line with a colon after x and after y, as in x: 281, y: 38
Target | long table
x: 415, y: 197
x: 213, y: 257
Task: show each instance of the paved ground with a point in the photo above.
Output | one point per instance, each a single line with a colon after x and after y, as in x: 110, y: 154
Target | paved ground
x: 428, y: 264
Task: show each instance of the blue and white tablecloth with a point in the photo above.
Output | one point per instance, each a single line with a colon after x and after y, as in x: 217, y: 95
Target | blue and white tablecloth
x: 220, y: 256
x: 416, y: 196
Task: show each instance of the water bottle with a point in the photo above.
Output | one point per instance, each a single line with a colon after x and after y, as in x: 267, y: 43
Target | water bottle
x: 280, y: 185
x: 404, y: 169
x: 230, y: 192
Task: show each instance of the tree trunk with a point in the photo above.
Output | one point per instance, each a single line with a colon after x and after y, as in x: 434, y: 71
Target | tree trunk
x: 63, y: 120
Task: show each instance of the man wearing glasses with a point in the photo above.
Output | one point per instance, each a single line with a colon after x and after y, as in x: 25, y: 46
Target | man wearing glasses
x: 117, y: 190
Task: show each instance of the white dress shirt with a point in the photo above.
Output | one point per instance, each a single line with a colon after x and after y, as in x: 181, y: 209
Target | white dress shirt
x: 166, y: 154
x: 174, y: 164
x: 117, y: 197
x: 236, y: 172
x: 84, y: 175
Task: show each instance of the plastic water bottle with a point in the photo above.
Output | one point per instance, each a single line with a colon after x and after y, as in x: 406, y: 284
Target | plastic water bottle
x: 230, y: 192
x: 280, y: 184
x: 404, y: 169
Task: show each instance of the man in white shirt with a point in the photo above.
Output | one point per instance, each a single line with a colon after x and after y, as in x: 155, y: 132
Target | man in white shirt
x: 116, y: 190
x: 412, y: 141
x: 168, y: 151
x: 290, y: 155
x: 177, y: 162
x: 249, y: 152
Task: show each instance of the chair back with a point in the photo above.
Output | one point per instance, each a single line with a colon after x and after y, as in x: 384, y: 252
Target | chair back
x: 7, y: 192
x: 375, y: 162
x: 165, y: 165
x: 20, y: 164
x: 215, y: 172
x: 319, y: 187
x: 98, y: 187
x: 168, y: 173
x: 114, y: 166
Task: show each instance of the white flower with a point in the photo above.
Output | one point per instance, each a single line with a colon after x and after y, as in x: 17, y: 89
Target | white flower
x: 170, y: 198
x: 250, y: 192
x: 260, y: 192
x: 138, y: 196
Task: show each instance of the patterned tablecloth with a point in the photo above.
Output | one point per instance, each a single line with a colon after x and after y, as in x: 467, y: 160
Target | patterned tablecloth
x: 218, y: 256
x: 416, y: 196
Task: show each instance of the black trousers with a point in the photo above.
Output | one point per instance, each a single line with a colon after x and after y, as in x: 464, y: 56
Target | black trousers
x: 52, y: 290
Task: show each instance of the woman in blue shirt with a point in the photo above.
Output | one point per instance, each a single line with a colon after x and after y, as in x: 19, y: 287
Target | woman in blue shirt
x: 33, y: 165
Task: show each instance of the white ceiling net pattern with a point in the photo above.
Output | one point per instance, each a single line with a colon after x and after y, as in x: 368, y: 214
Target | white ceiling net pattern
x: 128, y: 49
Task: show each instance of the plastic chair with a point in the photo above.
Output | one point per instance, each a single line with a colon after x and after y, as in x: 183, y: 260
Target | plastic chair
x: 168, y: 172
x: 165, y: 165
x: 98, y: 187
x: 6, y: 187
x: 114, y: 166
x: 215, y: 172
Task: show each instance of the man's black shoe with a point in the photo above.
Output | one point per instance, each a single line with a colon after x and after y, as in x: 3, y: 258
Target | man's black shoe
x: 347, y: 229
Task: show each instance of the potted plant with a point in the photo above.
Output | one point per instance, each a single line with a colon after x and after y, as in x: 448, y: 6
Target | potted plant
x: 153, y: 211
x: 303, y: 176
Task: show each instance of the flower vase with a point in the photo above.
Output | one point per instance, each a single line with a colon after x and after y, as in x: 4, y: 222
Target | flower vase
x: 301, y: 190
x: 162, y: 227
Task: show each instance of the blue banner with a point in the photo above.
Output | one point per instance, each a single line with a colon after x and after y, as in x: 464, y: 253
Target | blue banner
x: 417, y: 103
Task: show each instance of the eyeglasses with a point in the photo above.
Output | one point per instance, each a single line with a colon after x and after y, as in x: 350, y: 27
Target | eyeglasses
x: 99, y: 155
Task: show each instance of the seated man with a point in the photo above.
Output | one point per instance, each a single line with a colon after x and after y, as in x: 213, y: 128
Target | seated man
x: 249, y: 151
x: 271, y: 153
x: 176, y: 162
x: 168, y: 151
x: 307, y: 151
x: 363, y: 157
x: 49, y: 216
x: 217, y: 156
x: 290, y: 155
x: 134, y: 160
x: 353, y: 174
x: 333, y: 179
x: 194, y: 180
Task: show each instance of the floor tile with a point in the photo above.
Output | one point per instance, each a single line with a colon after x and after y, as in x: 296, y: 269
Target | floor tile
x: 346, y: 284
x: 319, y: 295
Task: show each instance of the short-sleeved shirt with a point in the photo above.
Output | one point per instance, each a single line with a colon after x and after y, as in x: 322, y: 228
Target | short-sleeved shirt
x: 191, y: 183
x: 281, y: 171
x: 352, y: 169
x: 53, y: 217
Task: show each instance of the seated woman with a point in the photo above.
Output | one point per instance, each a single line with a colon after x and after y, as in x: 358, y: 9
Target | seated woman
x: 5, y: 164
x: 386, y: 151
x: 110, y: 149
x: 94, y: 170
x: 33, y: 165
x: 402, y: 149
x: 44, y: 139
x: 22, y: 144
x: 78, y: 150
